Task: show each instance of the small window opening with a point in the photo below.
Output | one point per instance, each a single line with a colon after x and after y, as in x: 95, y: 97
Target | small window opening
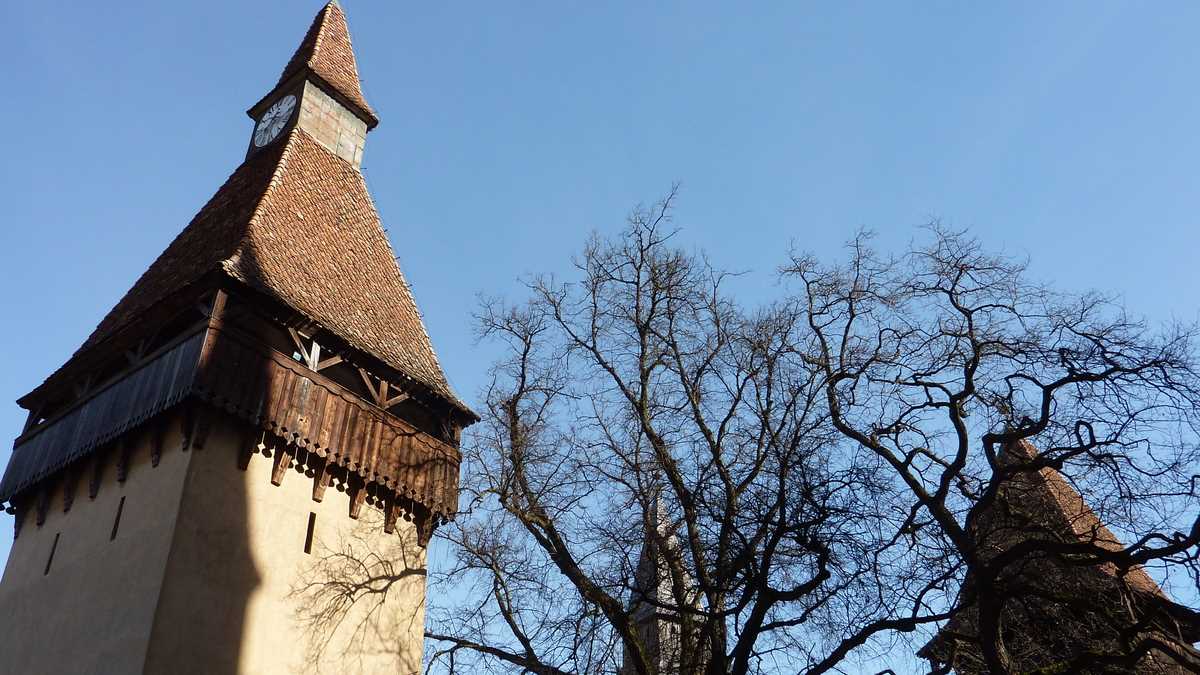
x: 312, y: 524
x: 117, y: 520
x: 53, y: 548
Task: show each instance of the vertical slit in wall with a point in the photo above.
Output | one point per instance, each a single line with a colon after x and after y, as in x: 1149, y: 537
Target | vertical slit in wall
x: 312, y: 524
x: 117, y: 520
x: 53, y: 548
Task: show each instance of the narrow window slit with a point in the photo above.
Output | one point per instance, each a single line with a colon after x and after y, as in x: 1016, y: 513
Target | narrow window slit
x: 117, y: 520
x: 53, y: 548
x: 312, y: 523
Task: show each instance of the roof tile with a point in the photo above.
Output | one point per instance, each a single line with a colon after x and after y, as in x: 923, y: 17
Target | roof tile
x: 326, y: 51
x: 296, y: 222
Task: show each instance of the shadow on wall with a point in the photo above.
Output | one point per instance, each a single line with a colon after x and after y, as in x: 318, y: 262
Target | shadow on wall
x: 211, y: 575
x: 355, y: 600
x: 246, y: 590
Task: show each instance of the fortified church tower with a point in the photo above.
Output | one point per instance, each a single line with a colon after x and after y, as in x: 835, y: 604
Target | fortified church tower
x: 257, y: 434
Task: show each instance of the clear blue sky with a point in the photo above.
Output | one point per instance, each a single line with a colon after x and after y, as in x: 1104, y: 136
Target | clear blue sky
x: 1068, y: 131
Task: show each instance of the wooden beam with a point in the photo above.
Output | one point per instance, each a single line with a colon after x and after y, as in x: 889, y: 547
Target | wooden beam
x: 390, y: 508
x: 298, y: 339
x: 321, y: 479
x: 187, y: 427
x: 19, y: 510
x: 366, y: 378
x: 43, y: 501
x: 123, y: 453
x: 156, y: 441
x: 246, y: 449
x: 283, y: 462
x: 358, y: 494
x: 220, y: 299
x: 98, y: 460
x: 395, y: 400
x: 425, y: 523
x: 70, y: 483
x: 331, y: 361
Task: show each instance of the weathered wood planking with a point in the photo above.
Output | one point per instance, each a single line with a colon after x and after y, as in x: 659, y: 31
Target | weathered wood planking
x: 105, y: 415
x: 230, y: 371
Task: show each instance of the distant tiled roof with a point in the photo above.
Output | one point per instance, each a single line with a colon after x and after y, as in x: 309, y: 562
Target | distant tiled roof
x: 1070, y: 515
x: 1043, y: 505
x: 326, y: 51
x: 297, y: 223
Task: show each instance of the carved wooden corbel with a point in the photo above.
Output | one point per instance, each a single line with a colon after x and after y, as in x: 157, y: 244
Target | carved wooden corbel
x: 390, y: 511
x: 43, y: 501
x: 247, y: 446
x: 70, y: 483
x: 157, y: 432
x: 124, y: 452
x: 97, y: 476
x: 425, y: 522
x: 358, y: 494
x: 283, y: 461
x: 322, y: 476
x: 19, y: 511
x: 187, y: 427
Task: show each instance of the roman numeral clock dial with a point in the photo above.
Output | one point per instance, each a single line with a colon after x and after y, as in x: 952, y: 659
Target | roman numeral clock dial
x: 274, y: 120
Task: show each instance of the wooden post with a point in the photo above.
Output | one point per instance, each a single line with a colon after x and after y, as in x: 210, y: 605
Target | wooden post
x: 19, y: 511
x: 390, y: 507
x: 323, y: 474
x: 156, y: 441
x: 98, y: 460
x: 283, y: 462
x: 358, y: 494
x: 247, y: 447
x: 70, y: 482
x: 43, y: 501
x: 123, y: 453
x: 187, y: 426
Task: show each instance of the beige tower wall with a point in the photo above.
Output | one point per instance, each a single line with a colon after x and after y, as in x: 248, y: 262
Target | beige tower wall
x: 93, y: 611
x: 242, y: 596
x: 208, y: 574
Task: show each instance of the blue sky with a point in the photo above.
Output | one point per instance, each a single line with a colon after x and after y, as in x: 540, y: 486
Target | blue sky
x: 1066, y: 131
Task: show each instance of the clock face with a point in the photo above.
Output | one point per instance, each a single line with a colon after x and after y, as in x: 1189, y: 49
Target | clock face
x: 274, y: 120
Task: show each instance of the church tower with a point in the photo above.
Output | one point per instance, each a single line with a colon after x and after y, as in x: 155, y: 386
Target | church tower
x: 1051, y: 613
x: 240, y: 468
x: 653, y: 605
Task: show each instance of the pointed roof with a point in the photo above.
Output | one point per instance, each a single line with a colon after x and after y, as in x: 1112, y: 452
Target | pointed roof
x: 327, y: 52
x: 1064, y: 512
x: 1042, y: 504
x: 297, y: 223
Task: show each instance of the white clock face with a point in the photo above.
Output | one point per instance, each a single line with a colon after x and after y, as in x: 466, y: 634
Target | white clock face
x: 274, y: 120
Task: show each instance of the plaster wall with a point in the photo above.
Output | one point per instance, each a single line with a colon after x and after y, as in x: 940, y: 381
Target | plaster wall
x: 92, y: 610
x: 242, y: 596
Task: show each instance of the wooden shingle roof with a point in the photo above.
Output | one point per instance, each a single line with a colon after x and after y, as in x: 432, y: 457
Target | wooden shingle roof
x: 327, y: 52
x: 296, y: 222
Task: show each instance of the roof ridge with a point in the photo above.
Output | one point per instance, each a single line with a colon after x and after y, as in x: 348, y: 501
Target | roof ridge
x: 284, y: 155
x: 324, y: 19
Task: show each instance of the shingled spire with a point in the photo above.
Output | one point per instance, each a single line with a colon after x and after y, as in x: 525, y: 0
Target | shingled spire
x: 294, y: 230
x: 264, y: 395
x: 294, y: 221
x: 326, y: 52
x: 1054, y: 613
x: 652, y: 603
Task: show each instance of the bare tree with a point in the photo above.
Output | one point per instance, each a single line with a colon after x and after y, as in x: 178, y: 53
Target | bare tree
x: 812, y: 477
